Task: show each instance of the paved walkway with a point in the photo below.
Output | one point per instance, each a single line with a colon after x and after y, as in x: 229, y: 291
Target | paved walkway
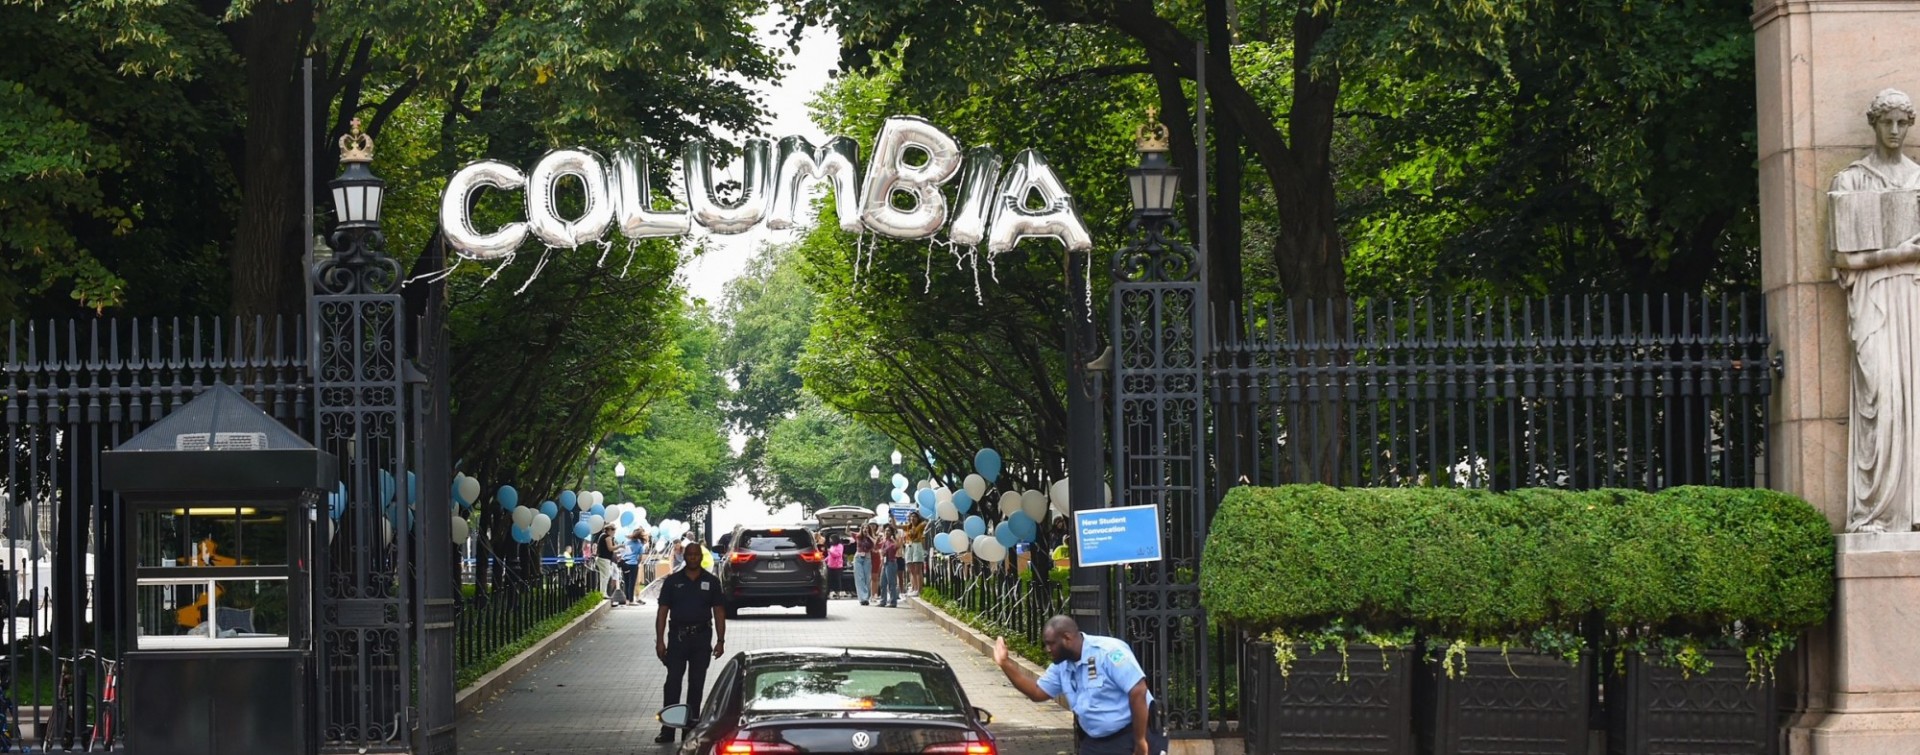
x: 597, y: 694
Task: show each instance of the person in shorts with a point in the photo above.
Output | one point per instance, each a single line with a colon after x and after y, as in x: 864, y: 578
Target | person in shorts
x: 915, y: 552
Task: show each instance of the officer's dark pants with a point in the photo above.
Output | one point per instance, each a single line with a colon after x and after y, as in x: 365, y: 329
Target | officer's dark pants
x: 688, y: 651
x: 1121, y: 742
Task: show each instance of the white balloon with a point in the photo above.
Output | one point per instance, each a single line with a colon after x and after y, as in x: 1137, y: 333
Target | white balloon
x: 926, y: 484
x: 881, y: 510
x: 697, y: 168
x: 1056, y: 219
x: 942, y: 495
x: 597, y: 498
x: 542, y: 524
x: 543, y: 213
x: 469, y: 489
x: 456, y: 219
x: 1062, y: 507
x: 1059, y: 491
x: 889, y: 174
x: 632, y: 190
x: 947, y: 511
x: 594, y: 523
x: 1109, y: 490
x: 1033, y: 501
x: 959, y: 541
x: 523, y: 515
x: 975, y: 486
x: 1009, y: 503
x: 459, y: 529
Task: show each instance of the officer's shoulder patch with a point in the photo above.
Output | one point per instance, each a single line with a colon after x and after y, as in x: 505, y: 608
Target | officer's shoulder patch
x: 1116, y: 656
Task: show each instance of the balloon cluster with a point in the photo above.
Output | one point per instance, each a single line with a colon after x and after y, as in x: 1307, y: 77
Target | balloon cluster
x: 1021, y: 514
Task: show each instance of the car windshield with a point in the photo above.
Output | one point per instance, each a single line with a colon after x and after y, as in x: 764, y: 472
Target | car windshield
x: 852, y: 686
x: 778, y: 540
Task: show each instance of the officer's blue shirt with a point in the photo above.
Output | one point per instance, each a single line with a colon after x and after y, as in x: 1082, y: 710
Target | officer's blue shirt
x: 1098, y: 684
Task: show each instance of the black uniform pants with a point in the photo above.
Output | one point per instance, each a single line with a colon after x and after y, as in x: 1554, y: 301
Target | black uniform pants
x: 689, y: 648
x: 1121, y: 742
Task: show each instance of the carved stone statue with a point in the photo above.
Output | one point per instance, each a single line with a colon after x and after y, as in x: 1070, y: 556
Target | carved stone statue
x: 1876, y: 258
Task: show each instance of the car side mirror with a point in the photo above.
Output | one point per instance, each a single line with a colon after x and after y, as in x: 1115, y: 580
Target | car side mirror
x: 674, y: 716
x: 981, y: 715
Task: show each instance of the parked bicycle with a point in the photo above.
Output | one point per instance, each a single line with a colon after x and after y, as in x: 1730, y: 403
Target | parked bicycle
x: 81, y: 718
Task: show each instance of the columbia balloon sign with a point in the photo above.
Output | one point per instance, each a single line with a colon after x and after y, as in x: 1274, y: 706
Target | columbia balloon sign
x: 997, y: 202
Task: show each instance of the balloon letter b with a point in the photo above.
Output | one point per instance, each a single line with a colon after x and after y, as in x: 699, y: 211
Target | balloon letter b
x: 889, y: 174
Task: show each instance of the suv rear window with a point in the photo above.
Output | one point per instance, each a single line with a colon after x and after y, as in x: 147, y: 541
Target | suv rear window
x: 776, y: 540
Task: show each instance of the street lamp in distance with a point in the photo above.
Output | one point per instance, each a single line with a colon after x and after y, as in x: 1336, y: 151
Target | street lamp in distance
x: 619, y: 481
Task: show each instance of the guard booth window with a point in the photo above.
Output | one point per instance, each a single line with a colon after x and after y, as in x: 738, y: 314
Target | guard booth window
x: 212, y: 576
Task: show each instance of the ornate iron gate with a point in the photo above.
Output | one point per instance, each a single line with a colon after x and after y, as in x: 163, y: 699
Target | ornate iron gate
x: 1160, y: 458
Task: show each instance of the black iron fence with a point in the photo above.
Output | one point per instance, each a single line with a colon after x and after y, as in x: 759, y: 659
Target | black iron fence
x: 1644, y: 392
x: 1000, y: 598
x: 511, y: 607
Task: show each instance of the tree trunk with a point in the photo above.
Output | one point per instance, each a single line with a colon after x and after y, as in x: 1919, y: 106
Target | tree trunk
x: 267, y: 278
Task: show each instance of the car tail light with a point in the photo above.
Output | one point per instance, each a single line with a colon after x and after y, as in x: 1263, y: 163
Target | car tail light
x: 961, y: 748
x: 811, y: 557
x: 740, y: 557
x: 743, y: 746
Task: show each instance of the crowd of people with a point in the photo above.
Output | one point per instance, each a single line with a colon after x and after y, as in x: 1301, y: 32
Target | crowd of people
x: 879, y: 564
x: 626, y: 570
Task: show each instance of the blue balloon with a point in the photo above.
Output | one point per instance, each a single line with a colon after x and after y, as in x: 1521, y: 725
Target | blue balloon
x: 1006, y: 536
x: 899, y: 481
x: 568, y: 500
x: 597, y: 510
x: 386, y: 487
x: 580, y: 530
x: 337, y: 502
x: 899, y: 496
x: 926, y: 497
x: 962, y: 501
x: 975, y: 526
x: 413, y: 489
x: 942, y: 544
x: 509, y: 497
x: 927, y: 511
x: 626, y: 519
x: 522, y: 534
x: 457, y: 500
x: 551, y: 509
x: 987, y: 463
x: 1023, y: 526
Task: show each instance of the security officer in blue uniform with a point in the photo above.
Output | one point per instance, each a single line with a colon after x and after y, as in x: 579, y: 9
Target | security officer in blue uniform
x: 689, y: 630
x: 1113, y: 711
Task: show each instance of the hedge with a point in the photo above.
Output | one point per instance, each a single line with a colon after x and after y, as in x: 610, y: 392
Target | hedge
x: 1469, y: 563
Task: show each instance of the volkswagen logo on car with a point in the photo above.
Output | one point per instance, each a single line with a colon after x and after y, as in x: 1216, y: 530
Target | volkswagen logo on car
x: 862, y: 740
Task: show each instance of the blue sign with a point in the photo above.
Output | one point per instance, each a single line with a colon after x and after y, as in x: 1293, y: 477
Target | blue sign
x: 1125, y: 535
x: 900, y: 513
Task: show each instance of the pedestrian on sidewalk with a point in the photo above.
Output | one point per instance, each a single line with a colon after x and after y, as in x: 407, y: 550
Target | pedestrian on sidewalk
x: 634, y: 548
x: 689, y: 631
x: 915, y: 552
x: 862, y: 562
x: 889, y: 552
x: 1113, y: 713
x: 605, y: 555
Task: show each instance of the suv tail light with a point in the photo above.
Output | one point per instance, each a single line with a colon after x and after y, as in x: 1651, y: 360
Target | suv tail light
x: 812, y: 556
x: 743, y: 746
x: 961, y: 748
x: 740, y: 557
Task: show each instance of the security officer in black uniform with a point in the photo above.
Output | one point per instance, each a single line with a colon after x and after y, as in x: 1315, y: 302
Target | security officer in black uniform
x: 690, y: 629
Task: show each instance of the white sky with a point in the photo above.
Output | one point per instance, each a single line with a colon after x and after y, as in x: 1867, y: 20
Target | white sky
x: 706, y: 276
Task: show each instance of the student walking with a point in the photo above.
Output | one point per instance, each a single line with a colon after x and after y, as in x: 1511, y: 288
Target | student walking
x: 889, y: 553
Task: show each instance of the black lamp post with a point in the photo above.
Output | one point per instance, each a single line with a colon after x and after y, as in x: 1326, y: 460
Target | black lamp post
x: 357, y: 266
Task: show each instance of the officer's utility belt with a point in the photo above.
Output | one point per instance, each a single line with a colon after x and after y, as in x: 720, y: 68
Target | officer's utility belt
x: 684, y: 631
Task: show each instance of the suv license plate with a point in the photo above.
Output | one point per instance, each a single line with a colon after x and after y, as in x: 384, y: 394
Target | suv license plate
x: 776, y: 566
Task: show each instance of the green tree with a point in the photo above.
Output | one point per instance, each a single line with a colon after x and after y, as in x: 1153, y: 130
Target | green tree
x: 680, y: 459
x: 819, y: 457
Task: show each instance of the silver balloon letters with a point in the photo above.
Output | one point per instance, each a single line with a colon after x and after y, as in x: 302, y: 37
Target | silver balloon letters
x: 727, y: 217
x: 456, y: 210
x: 543, y: 214
x: 633, y: 208
x: 837, y: 162
x: 901, y: 194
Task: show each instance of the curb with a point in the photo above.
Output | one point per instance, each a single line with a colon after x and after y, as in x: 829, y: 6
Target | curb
x: 972, y: 637
x: 496, y: 681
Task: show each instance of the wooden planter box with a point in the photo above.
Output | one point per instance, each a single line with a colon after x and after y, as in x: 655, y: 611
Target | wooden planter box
x: 1655, y: 710
x: 1312, y: 711
x: 1518, y: 702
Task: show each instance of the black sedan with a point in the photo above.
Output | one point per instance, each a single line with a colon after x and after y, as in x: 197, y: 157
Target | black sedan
x: 847, y: 700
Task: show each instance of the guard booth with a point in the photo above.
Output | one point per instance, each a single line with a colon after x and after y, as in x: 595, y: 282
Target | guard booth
x: 218, y: 504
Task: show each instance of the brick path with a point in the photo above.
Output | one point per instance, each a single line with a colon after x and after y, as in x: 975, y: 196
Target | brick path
x: 597, y: 694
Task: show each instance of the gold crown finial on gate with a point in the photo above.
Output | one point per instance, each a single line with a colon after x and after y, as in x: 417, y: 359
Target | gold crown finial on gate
x: 356, y: 147
x: 1152, y: 135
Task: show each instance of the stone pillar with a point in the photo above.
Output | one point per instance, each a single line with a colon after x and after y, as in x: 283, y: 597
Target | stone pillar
x: 1853, y: 688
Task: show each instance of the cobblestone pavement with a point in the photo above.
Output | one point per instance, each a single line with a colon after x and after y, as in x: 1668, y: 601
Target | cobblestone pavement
x: 597, y: 694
